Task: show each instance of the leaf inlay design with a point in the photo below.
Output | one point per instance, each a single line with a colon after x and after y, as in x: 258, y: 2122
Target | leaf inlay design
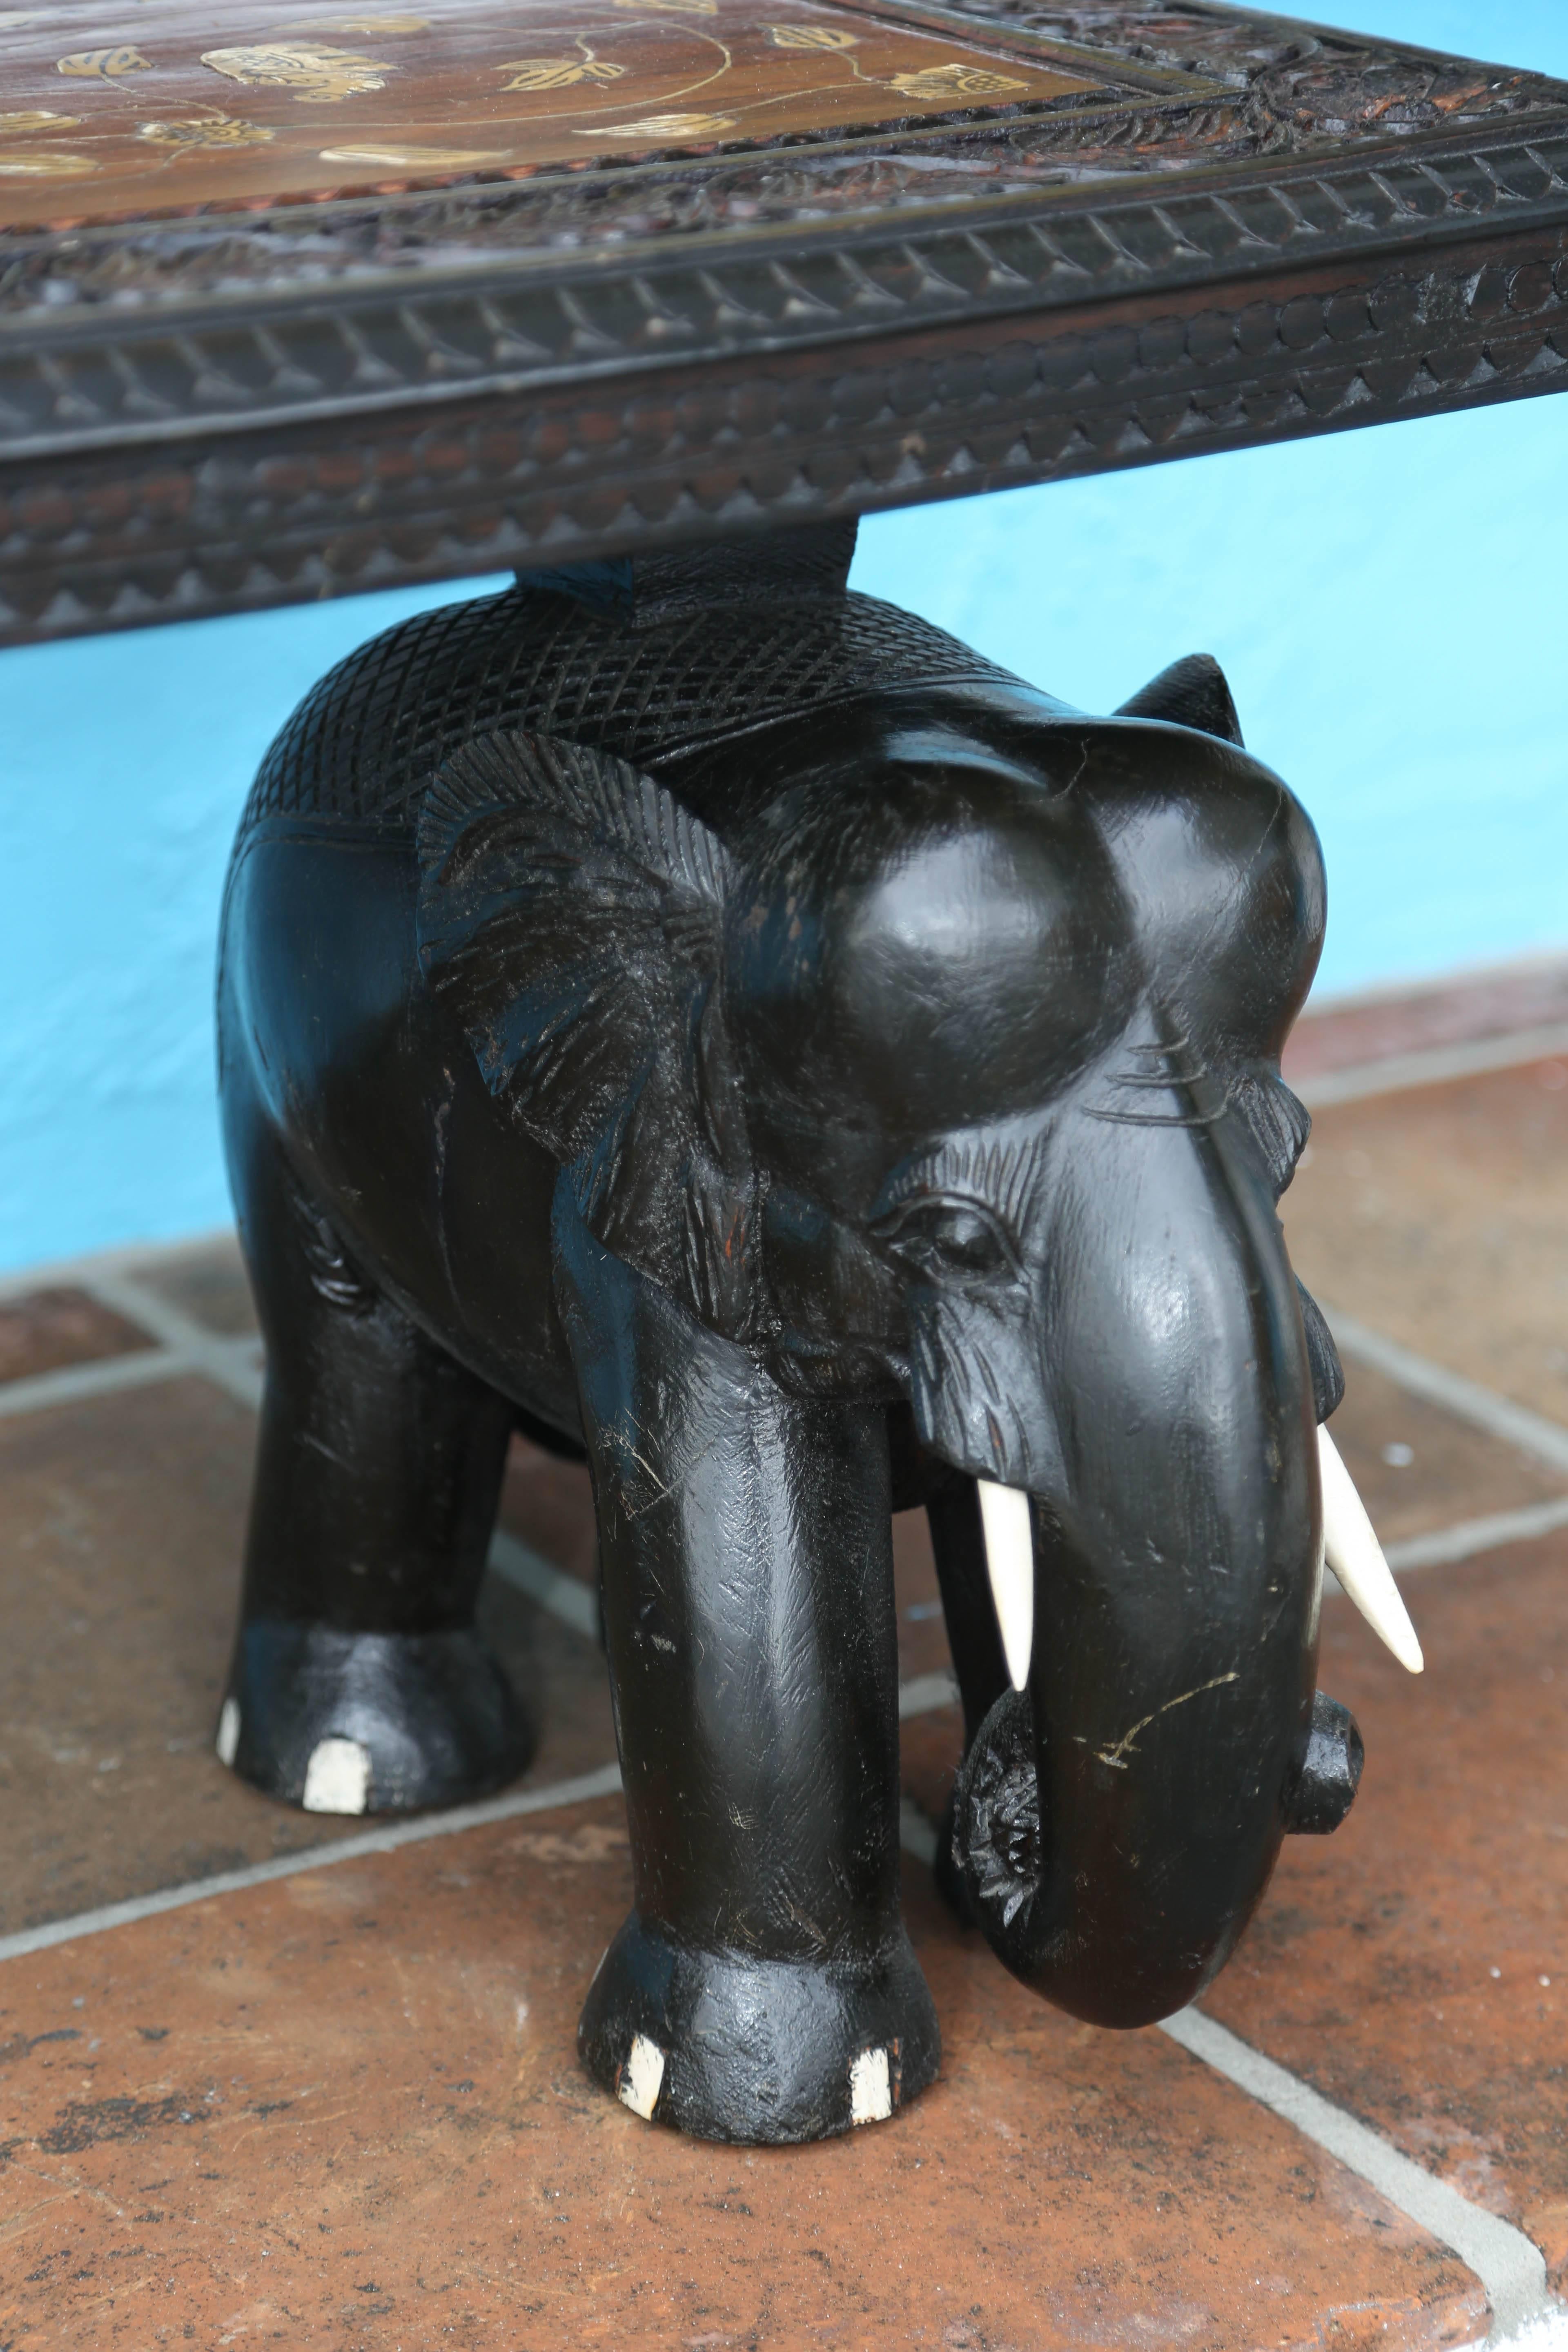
x: 955, y: 81
x: 104, y: 64
x: 360, y: 25
x: 417, y: 159
x: 666, y: 126
x: 45, y: 163
x: 321, y: 77
x: 194, y: 131
x: 557, y: 73
x: 811, y: 37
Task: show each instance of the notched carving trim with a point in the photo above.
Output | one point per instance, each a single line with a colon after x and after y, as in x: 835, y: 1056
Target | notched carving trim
x: 125, y: 539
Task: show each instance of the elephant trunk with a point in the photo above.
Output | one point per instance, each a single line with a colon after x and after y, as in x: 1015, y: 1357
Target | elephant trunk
x: 1119, y: 1816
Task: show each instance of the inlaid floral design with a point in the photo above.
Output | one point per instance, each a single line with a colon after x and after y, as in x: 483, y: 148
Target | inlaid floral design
x: 45, y: 163
x: 435, y: 90
x: 104, y: 64
x: 812, y: 36
x: 417, y: 159
x: 321, y: 77
x: 557, y: 73
x: 667, y: 126
x: 956, y: 81
x: 195, y: 130
x: 388, y: 25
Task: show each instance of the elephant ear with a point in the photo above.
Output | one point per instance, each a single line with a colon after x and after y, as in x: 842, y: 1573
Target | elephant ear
x: 1191, y: 693
x: 571, y: 914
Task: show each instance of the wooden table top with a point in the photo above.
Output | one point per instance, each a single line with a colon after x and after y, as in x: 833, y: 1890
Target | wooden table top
x: 295, y: 303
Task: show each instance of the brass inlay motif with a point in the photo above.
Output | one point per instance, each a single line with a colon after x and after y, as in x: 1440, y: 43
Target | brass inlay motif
x: 45, y: 163
x: 104, y: 64
x: 666, y: 126
x: 442, y: 89
x: 391, y: 25
x: 417, y: 159
x: 955, y: 81
x: 192, y: 133
x: 811, y: 37
x: 321, y: 77
x: 557, y: 73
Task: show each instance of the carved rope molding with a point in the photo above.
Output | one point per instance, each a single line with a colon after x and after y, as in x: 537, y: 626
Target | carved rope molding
x: 276, y: 517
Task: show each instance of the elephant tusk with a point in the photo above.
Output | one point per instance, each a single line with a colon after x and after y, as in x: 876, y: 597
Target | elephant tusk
x: 1010, y: 1565
x: 1354, y: 1552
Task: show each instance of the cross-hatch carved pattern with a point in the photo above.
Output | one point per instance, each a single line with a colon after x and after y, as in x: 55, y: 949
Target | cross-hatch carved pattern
x: 373, y: 733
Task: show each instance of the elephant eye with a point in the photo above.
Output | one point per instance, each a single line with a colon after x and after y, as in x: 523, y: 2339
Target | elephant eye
x: 951, y: 1240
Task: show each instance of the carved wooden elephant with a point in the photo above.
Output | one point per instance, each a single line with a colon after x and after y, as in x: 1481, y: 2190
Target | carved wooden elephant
x: 720, y: 1024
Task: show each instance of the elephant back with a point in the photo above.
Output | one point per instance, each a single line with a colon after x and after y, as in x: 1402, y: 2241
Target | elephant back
x: 646, y: 676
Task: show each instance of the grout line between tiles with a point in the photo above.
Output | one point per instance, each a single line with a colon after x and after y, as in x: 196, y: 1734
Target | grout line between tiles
x: 396, y: 1834
x: 1531, y: 1433
x: 1433, y: 1066
x: 1509, y: 2265
x: 135, y: 1257
x: 74, y: 1382
x: 921, y: 1695
x: 234, y: 1365
x: 917, y: 1835
x: 184, y: 1346
x: 566, y: 1597
x: 1472, y: 1536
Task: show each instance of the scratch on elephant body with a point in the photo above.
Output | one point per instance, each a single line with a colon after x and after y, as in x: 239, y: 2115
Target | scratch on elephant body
x: 661, y: 1493
x: 652, y: 1473
x: 1117, y: 1757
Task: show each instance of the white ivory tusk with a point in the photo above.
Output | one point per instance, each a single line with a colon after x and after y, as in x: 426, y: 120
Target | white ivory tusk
x: 1010, y: 1565
x: 1354, y: 1554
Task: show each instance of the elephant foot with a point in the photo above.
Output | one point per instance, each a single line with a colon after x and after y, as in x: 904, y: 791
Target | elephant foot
x: 370, y: 1723
x: 765, y: 2053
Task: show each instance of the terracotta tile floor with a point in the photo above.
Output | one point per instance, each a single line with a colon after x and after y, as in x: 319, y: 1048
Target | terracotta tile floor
x: 342, y: 2107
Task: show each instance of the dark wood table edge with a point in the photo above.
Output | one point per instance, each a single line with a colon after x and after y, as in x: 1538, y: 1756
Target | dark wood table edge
x: 1439, y: 282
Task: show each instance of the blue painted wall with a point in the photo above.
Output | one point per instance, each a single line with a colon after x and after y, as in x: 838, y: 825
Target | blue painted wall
x: 1388, y: 604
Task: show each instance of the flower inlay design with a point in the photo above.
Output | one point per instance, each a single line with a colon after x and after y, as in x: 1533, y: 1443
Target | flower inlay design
x: 321, y: 77
x: 454, y: 88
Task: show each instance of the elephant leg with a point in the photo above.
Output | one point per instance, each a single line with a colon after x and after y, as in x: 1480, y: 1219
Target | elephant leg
x: 974, y: 1642
x: 360, y: 1683
x: 763, y: 1988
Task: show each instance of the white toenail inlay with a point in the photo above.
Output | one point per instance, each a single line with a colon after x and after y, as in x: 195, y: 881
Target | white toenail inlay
x: 871, y: 2088
x: 642, y: 2077
x: 337, y: 1779
x: 228, y: 1731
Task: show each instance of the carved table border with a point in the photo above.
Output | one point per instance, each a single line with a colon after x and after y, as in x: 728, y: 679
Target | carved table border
x: 116, y: 539
x: 203, y: 448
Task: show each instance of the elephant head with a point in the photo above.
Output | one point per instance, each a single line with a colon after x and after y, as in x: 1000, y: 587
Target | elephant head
x: 948, y: 1072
